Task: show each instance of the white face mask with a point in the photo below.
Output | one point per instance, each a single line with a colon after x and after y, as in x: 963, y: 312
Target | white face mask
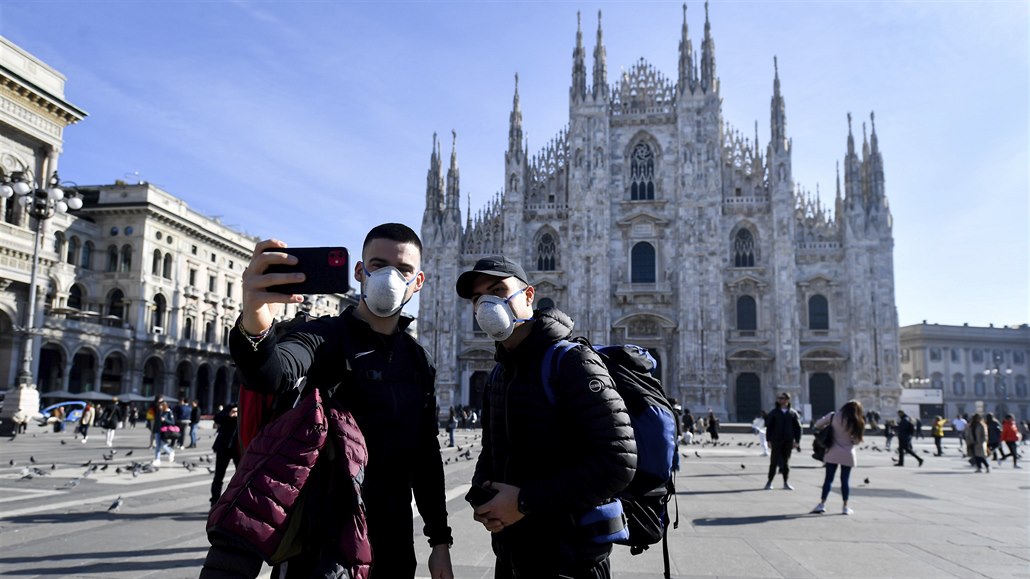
x: 384, y: 290
x: 496, y: 317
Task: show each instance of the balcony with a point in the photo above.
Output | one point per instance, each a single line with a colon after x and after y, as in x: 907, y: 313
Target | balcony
x: 229, y: 303
x: 191, y: 292
x: 212, y: 298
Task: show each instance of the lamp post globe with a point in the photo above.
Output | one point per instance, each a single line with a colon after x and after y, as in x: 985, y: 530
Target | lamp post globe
x: 41, y: 203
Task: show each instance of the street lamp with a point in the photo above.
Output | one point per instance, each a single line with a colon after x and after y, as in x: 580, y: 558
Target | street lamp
x: 999, y: 378
x: 41, y: 203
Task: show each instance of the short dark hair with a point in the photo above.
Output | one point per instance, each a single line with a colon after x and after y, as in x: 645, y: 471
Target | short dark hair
x: 394, y: 232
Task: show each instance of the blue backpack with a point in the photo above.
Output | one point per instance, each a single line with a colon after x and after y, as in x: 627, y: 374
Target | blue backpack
x: 645, y: 501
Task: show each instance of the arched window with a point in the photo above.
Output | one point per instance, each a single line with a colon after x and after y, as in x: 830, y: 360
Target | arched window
x: 87, y: 256
x: 166, y: 271
x: 125, y: 263
x: 818, y: 313
x: 116, y: 304
x: 1021, y: 387
x: 642, y: 260
x: 546, y: 253
x: 979, y: 386
x: 155, y: 268
x: 75, y: 297
x: 641, y: 173
x: 112, y: 258
x: 744, y: 249
x: 747, y: 313
x: 73, y: 250
x: 225, y: 335
x: 157, y: 319
x: 958, y: 385
x: 187, y: 328
x: 209, y: 332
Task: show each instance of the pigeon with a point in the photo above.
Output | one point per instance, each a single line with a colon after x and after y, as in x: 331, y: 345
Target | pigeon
x: 64, y: 442
x: 188, y: 465
x: 12, y: 462
x: 118, y: 470
x: 866, y: 481
x: 104, y: 467
x: 698, y: 454
x: 115, y: 506
x: 53, y: 466
x: 73, y: 483
x: 742, y: 467
x: 128, y: 453
x: 108, y: 456
x: 87, y: 463
x: 32, y: 459
x: 114, y: 451
x: 210, y: 470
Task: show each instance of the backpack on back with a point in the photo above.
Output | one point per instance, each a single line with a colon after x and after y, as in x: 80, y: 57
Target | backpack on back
x: 645, y: 501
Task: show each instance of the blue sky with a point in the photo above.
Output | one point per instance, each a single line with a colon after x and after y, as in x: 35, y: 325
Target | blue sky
x: 313, y: 121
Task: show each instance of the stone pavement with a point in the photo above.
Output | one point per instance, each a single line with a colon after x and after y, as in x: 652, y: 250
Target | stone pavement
x: 940, y: 520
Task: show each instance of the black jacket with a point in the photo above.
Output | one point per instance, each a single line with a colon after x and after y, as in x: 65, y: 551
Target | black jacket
x: 905, y: 429
x: 391, y: 393
x: 565, y: 457
x: 783, y: 426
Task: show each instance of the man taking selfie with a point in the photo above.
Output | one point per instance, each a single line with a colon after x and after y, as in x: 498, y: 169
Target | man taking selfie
x: 388, y: 385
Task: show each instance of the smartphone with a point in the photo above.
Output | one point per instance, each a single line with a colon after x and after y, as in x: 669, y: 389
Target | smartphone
x: 326, y: 270
x: 478, y: 495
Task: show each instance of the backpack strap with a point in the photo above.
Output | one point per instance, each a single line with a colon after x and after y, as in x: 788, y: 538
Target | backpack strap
x: 549, y: 367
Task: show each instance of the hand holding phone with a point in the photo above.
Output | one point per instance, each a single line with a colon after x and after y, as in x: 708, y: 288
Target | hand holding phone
x: 479, y: 495
x: 326, y: 270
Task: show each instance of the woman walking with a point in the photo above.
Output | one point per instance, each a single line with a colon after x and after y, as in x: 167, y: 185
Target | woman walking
x: 848, y: 429
x: 976, y: 441
x: 88, y: 416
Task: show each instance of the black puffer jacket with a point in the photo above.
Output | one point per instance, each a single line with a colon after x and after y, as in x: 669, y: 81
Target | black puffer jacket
x: 565, y: 457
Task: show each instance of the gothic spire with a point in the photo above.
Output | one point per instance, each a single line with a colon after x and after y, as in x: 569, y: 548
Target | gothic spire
x: 707, y: 56
x: 434, y: 181
x: 515, y: 125
x: 600, y: 64
x: 579, y: 68
x: 778, y: 112
x: 687, y: 80
x: 453, y: 201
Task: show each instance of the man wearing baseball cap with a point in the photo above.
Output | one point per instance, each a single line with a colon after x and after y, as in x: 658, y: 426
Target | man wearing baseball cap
x: 548, y: 462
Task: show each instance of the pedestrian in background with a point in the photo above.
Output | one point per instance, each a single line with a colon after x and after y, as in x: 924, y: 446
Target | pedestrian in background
x: 1010, y: 436
x: 86, y: 420
x: 758, y: 427
x: 452, y: 425
x: 112, y: 421
x: 993, y: 435
x: 848, y: 426
x: 194, y: 422
x: 958, y: 424
x: 688, y: 426
x: 888, y: 432
x: 133, y: 416
x: 783, y: 431
x: 976, y: 441
x: 164, y: 440
x: 182, y: 420
x: 226, y: 447
x: 937, y: 430
x: 905, y: 432
x: 713, y: 426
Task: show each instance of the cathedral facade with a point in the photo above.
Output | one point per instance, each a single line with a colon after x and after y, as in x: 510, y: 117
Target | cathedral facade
x: 649, y: 220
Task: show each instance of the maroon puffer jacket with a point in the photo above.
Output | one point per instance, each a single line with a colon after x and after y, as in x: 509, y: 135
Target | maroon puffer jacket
x: 258, y: 506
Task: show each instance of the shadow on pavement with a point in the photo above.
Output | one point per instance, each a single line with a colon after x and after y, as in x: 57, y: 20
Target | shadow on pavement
x: 122, y: 561
x: 52, y: 518
x: 729, y: 521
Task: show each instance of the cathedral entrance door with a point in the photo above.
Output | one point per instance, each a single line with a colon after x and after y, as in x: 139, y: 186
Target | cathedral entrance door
x: 749, y: 397
x: 477, y: 386
x: 821, y: 394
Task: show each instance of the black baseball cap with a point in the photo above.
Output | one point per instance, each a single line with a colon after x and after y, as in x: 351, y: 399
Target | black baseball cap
x: 494, y: 265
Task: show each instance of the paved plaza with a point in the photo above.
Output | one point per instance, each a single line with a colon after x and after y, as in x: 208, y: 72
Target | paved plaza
x: 940, y: 520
